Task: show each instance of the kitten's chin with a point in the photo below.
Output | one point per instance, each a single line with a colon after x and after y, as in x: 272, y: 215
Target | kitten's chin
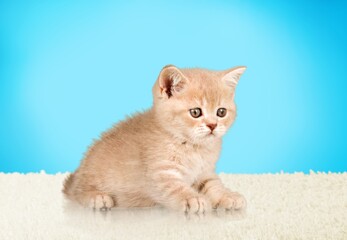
x: 209, y: 137
x: 212, y: 136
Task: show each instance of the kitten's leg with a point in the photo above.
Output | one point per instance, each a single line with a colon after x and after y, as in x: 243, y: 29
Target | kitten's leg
x: 220, y: 196
x: 76, y: 189
x: 95, y: 200
x: 101, y: 202
x: 171, y: 191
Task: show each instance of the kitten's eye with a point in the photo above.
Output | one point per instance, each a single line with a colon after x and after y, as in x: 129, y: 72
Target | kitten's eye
x: 221, y: 112
x: 195, y: 112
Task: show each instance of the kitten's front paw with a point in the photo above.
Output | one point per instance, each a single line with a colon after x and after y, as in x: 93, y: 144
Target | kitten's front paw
x: 230, y: 201
x: 101, y: 202
x: 196, y: 205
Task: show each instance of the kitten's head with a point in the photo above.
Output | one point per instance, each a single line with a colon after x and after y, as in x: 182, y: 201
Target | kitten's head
x: 196, y: 105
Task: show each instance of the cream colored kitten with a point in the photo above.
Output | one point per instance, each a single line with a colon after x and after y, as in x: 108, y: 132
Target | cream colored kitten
x: 166, y: 155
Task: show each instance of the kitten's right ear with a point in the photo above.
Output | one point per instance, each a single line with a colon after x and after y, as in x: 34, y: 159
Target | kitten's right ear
x: 171, y: 81
x: 232, y: 76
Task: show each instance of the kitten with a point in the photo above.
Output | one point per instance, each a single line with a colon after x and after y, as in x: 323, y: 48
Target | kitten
x: 167, y: 154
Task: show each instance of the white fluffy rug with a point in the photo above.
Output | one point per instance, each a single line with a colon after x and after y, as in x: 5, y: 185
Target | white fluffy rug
x: 280, y: 206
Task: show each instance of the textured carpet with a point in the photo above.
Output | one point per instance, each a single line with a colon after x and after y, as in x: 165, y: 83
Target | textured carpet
x: 280, y: 206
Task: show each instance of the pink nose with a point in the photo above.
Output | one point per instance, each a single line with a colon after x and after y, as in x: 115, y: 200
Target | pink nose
x: 211, y: 126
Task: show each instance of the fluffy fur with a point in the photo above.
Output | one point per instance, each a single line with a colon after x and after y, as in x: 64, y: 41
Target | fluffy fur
x: 164, y: 155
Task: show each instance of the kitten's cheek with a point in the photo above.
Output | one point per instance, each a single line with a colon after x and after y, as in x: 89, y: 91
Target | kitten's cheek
x: 220, y: 133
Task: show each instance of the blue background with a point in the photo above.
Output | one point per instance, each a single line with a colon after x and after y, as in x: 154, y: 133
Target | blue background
x: 70, y: 69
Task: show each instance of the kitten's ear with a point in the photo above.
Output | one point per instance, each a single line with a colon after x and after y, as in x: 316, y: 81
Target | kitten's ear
x: 232, y: 76
x: 171, y: 81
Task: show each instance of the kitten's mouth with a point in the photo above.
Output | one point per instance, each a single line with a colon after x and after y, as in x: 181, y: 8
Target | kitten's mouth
x: 211, y: 134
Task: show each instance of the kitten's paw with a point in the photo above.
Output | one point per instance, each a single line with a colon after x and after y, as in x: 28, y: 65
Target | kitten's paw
x: 231, y: 200
x: 196, y: 205
x: 101, y: 202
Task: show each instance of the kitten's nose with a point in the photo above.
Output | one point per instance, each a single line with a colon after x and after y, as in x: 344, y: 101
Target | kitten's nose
x: 211, y: 126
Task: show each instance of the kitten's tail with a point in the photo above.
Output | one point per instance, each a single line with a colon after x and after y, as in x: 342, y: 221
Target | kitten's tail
x: 67, y: 184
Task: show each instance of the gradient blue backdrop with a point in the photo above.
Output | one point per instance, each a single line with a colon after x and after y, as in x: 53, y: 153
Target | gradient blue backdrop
x: 69, y: 69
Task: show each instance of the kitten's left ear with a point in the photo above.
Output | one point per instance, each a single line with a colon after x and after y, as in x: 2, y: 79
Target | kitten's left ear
x: 232, y: 76
x: 171, y: 81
